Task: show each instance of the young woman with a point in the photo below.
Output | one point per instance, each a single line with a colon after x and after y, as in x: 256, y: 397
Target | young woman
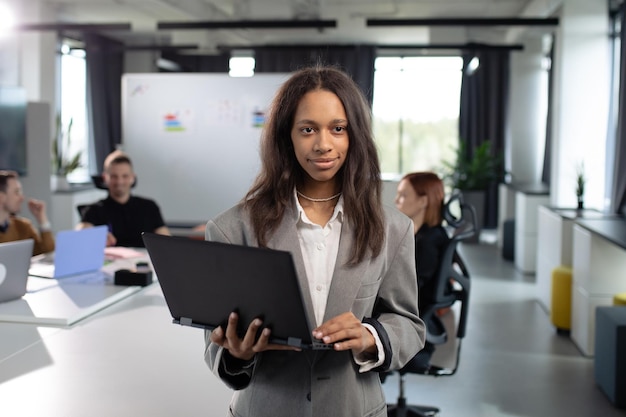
x: 318, y: 195
x: 420, y: 196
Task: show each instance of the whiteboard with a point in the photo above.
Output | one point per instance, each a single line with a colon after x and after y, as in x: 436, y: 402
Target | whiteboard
x: 194, y: 138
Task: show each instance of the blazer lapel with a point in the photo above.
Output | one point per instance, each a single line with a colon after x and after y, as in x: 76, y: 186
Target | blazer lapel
x: 285, y: 238
x: 346, y: 279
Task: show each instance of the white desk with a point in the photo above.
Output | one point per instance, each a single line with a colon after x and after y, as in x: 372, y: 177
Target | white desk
x: 523, y: 201
x: 554, y: 245
x: 599, y: 272
x: 527, y: 203
x: 127, y: 360
x: 65, y: 301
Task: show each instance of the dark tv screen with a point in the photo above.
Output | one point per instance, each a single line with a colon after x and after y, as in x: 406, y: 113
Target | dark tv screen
x: 13, y: 129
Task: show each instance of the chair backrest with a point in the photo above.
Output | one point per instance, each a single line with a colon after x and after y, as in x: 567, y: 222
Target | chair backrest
x: 451, y: 267
x: 453, y: 281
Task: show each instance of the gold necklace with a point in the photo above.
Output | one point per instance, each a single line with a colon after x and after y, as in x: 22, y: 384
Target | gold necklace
x: 318, y: 200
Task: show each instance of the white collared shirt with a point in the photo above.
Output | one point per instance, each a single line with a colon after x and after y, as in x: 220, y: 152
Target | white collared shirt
x: 320, y: 246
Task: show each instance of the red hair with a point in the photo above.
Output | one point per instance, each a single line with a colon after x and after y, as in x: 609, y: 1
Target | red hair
x: 430, y: 185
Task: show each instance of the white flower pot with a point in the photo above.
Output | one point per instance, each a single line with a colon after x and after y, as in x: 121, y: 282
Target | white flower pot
x: 59, y: 183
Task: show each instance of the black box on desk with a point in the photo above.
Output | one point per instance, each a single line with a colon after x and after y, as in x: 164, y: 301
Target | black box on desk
x: 128, y: 277
x: 609, y: 358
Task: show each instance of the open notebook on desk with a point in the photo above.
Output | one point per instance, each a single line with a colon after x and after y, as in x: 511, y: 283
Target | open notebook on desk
x: 76, y: 252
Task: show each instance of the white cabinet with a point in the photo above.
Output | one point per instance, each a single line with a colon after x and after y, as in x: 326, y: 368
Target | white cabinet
x: 526, y: 218
x: 550, y: 251
x: 506, y: 209
x: 64, y: 214
x: 599, y: 272
x: 554, y: 245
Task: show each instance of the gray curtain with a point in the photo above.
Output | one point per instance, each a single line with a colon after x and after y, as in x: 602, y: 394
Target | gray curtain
x: 618, y: 194
x: 105, y: 62
x: 482, y: 116
x: 547, y: 154
x: 356, y: 60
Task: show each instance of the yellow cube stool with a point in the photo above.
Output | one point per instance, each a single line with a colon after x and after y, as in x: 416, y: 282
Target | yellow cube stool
x: 561, y: 301
x: 619, y: 299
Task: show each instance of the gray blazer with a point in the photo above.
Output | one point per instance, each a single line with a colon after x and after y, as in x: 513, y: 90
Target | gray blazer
x: 327, y: 383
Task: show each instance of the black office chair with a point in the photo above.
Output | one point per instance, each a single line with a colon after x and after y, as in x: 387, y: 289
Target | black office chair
x: 453, y: 286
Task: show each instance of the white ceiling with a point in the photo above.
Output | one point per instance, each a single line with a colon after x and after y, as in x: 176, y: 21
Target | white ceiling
x: 351, y: 15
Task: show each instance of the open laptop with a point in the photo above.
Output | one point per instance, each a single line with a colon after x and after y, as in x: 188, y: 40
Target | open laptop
x: 203, y: 282
x: 14, y: 262
x: 76, y: 252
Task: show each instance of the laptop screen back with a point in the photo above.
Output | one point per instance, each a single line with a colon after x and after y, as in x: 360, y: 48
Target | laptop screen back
x: 14, y: 263
x: 76, y: 252
x: 203, y: 282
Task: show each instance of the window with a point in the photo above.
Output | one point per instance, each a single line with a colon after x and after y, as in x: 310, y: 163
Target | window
x: 416, y: 112
x: 74, y: 108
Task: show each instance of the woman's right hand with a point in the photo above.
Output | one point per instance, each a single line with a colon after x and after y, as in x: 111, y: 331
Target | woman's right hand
x: 245, y: 348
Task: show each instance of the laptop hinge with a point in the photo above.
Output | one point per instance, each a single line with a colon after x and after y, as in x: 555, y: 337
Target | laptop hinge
x: 185, y: 321
x: 294, y: 341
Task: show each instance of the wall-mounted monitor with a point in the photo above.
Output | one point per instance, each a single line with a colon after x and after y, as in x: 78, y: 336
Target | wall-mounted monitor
x: 13, y: 129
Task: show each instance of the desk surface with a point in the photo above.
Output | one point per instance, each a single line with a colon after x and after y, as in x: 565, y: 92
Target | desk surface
x: 572, y: 213
x: 613, y: 229
x: 530, y: 188
x: 65, y: 301
x: 127, y: 360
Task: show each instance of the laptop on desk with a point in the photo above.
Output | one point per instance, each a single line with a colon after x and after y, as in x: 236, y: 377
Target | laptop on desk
x: 76, y: 252
x: 203, y: 282
x: 14, y: 262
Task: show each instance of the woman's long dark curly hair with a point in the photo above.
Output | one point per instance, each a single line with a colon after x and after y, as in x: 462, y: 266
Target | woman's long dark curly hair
x: 359, y: 177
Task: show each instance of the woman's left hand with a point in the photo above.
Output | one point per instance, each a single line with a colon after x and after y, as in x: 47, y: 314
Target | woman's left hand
x: 347, y: 333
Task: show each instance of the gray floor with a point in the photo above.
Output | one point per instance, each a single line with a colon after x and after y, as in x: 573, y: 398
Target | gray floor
x: 513, y: 363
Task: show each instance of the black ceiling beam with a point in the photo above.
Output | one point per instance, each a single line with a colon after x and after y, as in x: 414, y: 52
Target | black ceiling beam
x: 461, y: 21
x: 465, y: 46
x: 81, y: 27
x: 250, y: 24
x: 164, y: 48
x: 457, y: 46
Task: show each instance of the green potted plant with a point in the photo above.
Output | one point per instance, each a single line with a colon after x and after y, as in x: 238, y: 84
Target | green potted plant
x: 62, y: 163
x: 580, y: 186
x: 473, y: 175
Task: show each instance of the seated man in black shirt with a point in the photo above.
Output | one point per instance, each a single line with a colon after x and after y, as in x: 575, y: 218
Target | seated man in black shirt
x: 127, y: 216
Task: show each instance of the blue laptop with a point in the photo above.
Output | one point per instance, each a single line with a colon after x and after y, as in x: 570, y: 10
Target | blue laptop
x: 76, y: 252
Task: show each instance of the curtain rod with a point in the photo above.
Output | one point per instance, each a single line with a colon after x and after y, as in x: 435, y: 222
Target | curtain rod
x: 82, y: 27
x: 460, y: 21
x: 465, y: 46
x: 250, y: 24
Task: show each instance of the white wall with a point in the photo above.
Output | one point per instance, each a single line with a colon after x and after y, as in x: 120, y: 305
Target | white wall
x: 36, y: 183
x: 581, y: 90
x: 525, y: 140
x: 581, y: 102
